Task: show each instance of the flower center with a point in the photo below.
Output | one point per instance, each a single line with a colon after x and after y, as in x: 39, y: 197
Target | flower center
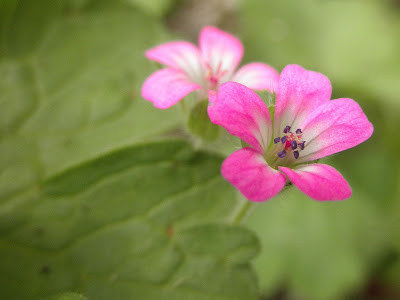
x: 213, y: 77
x: 291, y: 142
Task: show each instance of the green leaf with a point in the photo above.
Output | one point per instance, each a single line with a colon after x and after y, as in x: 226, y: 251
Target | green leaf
x: 75, y: 94
x: 144, y: 222
x: 24, y: 24
x: 154, y: 7
x: 200, y: 124
x: 88, y: 203
x: 231, y: 244
x: 66, y: 296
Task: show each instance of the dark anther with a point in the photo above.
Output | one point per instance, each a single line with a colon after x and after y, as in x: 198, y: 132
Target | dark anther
x: 283, y: 140
x: 293, y: 145
x: 277, y: 140
x: 282, y: 154
x: 287, y: 129
x: 298, y: 131
x: 301, y: 145
x: 296, y: 154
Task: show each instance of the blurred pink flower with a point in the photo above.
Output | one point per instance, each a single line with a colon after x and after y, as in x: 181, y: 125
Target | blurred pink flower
x: 190, y: 68
x: 307, y: 126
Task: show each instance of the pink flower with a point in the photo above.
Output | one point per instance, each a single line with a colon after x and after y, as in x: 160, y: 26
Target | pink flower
x: 190, y: 68
x: 307, y: 126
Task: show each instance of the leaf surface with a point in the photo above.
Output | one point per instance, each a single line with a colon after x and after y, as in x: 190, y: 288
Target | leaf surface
x: 91, y: 199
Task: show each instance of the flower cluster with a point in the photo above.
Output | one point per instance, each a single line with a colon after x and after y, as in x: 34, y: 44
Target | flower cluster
x: 307, y: 125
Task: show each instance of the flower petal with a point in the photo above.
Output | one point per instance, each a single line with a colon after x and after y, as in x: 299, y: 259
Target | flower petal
x: 221, y: 51
x: 333, y: 127
x: 299, y: 92
x: 242, y: 113
x: 318, y: 181
x: 247, y: 170
x: 257, y: 76
x: 166, y: 87
x: 180, y: 55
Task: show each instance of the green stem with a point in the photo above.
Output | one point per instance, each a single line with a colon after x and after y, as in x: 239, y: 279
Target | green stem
x: 244, y: 212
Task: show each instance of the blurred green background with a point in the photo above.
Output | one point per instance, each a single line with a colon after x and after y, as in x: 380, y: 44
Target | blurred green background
x: 71, y: 116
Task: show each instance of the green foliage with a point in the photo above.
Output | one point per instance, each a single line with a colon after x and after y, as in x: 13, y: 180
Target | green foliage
x: 356, y: 48
x: 328, y: 250
x: 90, y: 201
x: 78, y: 94
x: 200, y: 124
x: 154, y: 7
x: 66, y: 296
x: 102, y: 228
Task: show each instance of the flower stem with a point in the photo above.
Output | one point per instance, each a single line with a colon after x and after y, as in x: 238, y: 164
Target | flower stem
x: 244, y: 212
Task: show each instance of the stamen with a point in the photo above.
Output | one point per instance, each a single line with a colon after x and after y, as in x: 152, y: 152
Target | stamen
x: 282, y: 154
x: 213, y: 77
x: 291, y: 142
x: 219, y: 67
x: 287, y: 129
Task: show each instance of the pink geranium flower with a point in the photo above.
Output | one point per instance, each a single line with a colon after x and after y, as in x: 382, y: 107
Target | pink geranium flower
x: 307, y: 126
x: 190, y: 68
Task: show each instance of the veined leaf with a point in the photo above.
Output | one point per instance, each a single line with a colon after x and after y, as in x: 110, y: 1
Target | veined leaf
x: 86, y: 204
x: 149, y: 221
